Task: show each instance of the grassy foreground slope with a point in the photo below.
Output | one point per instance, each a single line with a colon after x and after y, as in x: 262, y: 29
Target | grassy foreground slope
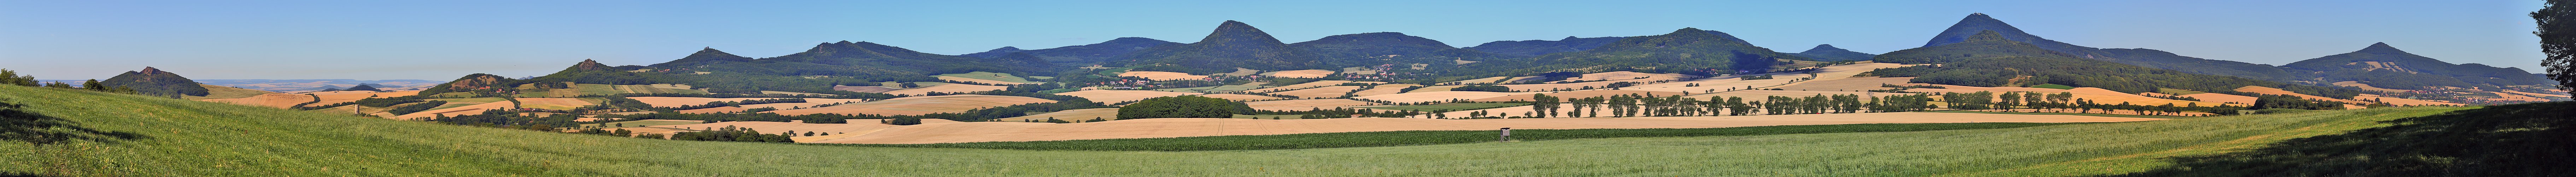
x: 144, y: 136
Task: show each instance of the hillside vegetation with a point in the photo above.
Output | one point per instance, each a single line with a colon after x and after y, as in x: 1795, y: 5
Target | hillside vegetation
x: 80, y: 133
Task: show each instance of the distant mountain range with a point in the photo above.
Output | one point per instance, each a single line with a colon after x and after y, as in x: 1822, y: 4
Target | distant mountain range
x: 1081, y: 54
x: 1234, y: 44
x: 1543, y: 47
x: 1827, y: 52
x: 2142, y: 57
x: 2386, y: 67
x: 1683, y: 50
x: 294, y: 85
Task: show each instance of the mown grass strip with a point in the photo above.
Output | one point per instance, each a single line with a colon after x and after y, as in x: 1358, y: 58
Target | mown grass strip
x: 1415, y: 138
x: 2079, y: 114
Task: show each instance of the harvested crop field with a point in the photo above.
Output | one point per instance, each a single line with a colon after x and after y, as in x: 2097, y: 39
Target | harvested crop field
x: 1440, y: 88
x: 719, y: 109
x: 222, y: 92
x: 455, y: 111
x: 2406, y: 102
x: 1071, y: 115
x: 1627, y: 75
x: 1238, y: 72
x: 1306, y: 85
x: 807, y: 104
x: 1242, y: 97
x: 919, y: 105
x: 2088, y: 93
x: 1115, y: 96
x: 855, y: 126
x: 1311, y: 73
x: 1320, y: 92
x: 274, y: 100
x: 1578, y: 94
x: 337, y: 97
x: 1301, y: 105
x: 641, y: 123
x: 685, y: 101
x: 862, y: 89
x: 1760, y: 94
x: 947, y: 88
x: 2222, y: 98
x: 1218, y: 89
x: 554, y: 103
x: 1487, y: 80
x: 1190, y: 127
x: 1384, y: 89
x: 650, y: 130
x: 1161, y: 76
x: 1438, y: 96
x: 1717, y: 84
x: 2275, y: 91
x: 2516, y: 96
x: 2537, y: 94
x: 1847, y: 84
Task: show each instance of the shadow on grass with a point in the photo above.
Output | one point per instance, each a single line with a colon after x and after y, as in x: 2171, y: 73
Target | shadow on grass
x: 2505, y: 140
x: 22, y: 126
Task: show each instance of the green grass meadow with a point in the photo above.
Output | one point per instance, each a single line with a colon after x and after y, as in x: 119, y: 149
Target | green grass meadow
x: 189, y: 138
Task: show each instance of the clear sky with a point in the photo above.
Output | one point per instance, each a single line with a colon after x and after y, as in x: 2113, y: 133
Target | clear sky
x: 441, y: 40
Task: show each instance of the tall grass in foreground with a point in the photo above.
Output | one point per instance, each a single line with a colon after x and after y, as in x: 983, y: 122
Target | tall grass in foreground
x: 1415, y: 138
x: 188, y: 138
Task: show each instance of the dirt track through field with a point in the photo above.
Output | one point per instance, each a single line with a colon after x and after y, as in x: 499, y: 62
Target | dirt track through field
x: 1190, y: 127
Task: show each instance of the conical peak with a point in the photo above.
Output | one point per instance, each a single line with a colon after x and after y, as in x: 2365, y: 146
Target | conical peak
x: 2380, y: 48
x: 1976, y: 16
x: 150, y: 70
x: 1007, y: 48
x: 1825, y: 48
x: 1238, y: 32
x: 1977, y: 22
x: 588, y: 64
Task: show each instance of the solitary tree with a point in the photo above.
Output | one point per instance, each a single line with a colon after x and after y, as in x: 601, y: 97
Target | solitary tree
x: 2558, y: 40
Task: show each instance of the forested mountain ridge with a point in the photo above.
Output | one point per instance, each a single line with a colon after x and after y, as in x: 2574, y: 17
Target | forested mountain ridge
x: 1364, y: 49
x: 1233, y: 44
x: 1543, y: 47
x: 1989, y: 59
x: 153, y: 81
x: 707, y: 56
x: 1682, y: 51
x: 1976, y: 22
x: 1827, y: 52
x: 997, y: 52
x: 2384, y: 66
x: 1082, y: 54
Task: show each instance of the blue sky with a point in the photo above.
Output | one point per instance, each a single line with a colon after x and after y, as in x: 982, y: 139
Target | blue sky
x: 442, y: 40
